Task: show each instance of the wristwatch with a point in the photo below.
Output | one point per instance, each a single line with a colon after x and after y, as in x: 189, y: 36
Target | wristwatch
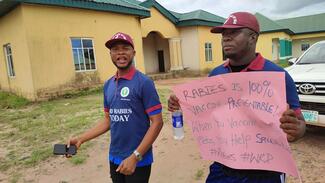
x: 137, y: 155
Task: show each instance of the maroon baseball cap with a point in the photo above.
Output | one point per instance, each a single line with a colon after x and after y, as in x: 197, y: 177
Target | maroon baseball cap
x: 239, y: 20
x: 119, y: 37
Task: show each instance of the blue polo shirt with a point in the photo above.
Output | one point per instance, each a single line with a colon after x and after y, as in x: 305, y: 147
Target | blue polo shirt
x: 130, y: 100
x: 258, y: 64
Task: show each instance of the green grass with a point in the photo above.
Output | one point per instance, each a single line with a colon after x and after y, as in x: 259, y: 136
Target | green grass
x: 15, y: 178
x: 11, y: 101
x: 29, y: 130
x: 82, y: 92
x: 199, y: 174
x: 82, y: 154
x: 163, y: 96
x: 28, y: 134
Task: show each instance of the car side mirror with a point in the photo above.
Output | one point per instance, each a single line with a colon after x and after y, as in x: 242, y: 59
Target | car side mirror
x: 292, y: 61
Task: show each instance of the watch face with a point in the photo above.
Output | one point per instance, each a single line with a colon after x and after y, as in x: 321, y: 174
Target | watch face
x: 137, y: 155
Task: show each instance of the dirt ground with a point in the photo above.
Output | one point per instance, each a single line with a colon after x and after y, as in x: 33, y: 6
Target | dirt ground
x: 175, y: 161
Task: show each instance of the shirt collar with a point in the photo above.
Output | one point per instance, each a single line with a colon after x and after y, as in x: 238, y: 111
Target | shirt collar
x: 127, y: 76
x: 256, y: 65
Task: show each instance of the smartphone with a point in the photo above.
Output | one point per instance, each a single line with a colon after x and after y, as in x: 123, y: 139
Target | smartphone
x: 62, y: 149
x: 72, y: 150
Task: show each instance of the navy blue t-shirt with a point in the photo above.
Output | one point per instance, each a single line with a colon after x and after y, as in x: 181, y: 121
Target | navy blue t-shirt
x: 130, y: 100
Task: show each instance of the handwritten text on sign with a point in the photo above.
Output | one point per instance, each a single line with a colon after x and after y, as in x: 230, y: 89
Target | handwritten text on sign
x: 235, y: 119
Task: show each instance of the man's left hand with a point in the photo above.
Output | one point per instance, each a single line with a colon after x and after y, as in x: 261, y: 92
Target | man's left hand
x: 294, y: 126
x: 128, y: 165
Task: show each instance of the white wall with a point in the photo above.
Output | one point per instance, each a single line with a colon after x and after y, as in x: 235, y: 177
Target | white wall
x: 190, y: 47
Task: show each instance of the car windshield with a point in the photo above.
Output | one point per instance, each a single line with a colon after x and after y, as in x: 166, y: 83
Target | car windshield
x: 314, y: 55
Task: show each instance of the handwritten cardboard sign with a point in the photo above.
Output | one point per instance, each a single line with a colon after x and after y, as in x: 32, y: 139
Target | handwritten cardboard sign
x: 235, y: 119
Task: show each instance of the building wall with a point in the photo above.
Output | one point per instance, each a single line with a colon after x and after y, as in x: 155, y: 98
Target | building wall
x: 205, y: 36
x: 264, y: 43
x: 13, y: 31
x: 310, y: 39
x: 151, y: 45
x: 162, y: 44
x: 49, y: 30
x: 150, y: 55
x: 275, y: 49
x: 190, y: 47
x: 158, y: 23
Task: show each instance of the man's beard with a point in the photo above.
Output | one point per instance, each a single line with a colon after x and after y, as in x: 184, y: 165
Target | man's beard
x: 231, y: 56
x: 124, y: 67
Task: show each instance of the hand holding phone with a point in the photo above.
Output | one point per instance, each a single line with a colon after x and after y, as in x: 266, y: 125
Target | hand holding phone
x: 63, y: 149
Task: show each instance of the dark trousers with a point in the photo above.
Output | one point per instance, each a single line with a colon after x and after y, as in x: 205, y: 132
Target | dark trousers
x: 140, y: 175
x: 222, y: 174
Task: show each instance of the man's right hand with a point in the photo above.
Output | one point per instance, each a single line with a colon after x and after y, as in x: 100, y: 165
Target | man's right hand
x: 75, y: 141
x: 173, y: 104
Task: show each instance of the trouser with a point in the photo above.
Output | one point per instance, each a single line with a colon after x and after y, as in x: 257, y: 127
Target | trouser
x: 222, y: 174
x: 140, y: 175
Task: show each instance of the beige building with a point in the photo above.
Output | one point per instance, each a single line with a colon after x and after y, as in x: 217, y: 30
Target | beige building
x: 51, y: 47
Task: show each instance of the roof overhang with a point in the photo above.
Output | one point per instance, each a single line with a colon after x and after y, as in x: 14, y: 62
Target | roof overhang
x: 8, y: 5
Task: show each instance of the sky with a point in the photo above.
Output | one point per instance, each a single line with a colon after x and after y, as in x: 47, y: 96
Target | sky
x: 274, y: 9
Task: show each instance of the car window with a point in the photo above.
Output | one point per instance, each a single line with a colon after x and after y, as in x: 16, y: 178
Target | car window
x: 316, y: 54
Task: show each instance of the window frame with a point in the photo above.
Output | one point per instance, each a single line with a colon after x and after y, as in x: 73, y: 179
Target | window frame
x: 208, y: 52
x: 9, y: 61
x: 82, y: 48
x: 304, y: 46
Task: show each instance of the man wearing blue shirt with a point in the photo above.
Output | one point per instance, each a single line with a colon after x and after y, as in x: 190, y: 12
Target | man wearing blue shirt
x: 132, y: 113
x: 239, y: 37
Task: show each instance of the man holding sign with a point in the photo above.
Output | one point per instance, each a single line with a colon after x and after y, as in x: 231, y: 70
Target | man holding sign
x: 239, y: 37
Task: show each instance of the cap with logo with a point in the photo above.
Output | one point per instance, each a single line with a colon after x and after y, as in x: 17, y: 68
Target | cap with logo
x: 239, y: 20
x: 119, y: 37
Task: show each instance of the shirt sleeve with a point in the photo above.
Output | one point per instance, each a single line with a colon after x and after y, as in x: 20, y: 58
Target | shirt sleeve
x: 106, y: 107
x: 150, y: 98
x: 292, y: 95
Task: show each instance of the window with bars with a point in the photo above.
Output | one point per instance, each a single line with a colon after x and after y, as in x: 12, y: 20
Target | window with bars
x: 304, y: 46
x: 83, y: 54
x: 10, y: 64
x: 208, y: 52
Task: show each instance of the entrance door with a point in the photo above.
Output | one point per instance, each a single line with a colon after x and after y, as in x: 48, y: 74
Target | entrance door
x: 161, y: 61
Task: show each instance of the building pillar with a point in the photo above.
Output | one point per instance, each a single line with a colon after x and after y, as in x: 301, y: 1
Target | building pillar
x: 176, y: 62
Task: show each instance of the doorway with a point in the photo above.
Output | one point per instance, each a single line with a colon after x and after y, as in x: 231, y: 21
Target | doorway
x: 161, y: 61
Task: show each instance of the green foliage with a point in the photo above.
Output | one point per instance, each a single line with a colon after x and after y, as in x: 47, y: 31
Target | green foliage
x: 283, y: 63
x: 11, y: 101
